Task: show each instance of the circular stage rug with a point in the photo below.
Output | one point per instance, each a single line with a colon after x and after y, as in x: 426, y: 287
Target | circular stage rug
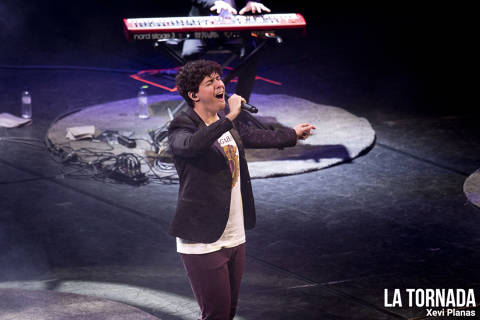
x: 340, y: 136
x: 471, y: 187
x: 51, y: 305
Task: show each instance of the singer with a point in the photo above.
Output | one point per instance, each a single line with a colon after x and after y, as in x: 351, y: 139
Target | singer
x: 215, y: 200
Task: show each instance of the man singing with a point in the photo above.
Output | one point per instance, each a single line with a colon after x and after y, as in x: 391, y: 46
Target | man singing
x: 215, y: 199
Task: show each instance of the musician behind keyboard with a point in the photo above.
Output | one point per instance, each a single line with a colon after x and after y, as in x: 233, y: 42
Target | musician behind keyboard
x: 195, y: 48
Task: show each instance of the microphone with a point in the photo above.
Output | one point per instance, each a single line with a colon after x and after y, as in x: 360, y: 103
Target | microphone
x: 245, y: 106
x: 249, y: 107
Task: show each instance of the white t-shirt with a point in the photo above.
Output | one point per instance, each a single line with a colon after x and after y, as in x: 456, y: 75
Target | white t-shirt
x: 234, y: 233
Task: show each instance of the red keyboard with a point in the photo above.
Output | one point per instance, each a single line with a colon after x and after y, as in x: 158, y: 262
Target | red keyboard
x: 208, y: 26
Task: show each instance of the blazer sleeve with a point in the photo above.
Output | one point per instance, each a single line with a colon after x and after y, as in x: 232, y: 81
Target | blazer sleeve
x: 206, y: 4
x: 186, y: 140
x: 260, y: 138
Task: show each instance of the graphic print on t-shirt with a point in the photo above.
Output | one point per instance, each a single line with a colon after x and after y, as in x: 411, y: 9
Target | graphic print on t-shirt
x: 232, y: 156
x: 231, y: 152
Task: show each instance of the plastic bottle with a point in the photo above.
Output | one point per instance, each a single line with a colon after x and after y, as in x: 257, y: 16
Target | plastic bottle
x: 143, y: 103
x: 26, y: 105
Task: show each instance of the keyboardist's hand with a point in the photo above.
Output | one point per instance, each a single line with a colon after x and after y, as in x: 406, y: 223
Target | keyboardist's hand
x: 254, y: 7
x: 222, y: 5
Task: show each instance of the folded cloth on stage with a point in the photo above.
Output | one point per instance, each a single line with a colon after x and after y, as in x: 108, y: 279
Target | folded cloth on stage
x: 8, y: 120
x: 79, y: 133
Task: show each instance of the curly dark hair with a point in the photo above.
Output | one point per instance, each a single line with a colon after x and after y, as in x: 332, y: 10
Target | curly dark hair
x: 192, y: 74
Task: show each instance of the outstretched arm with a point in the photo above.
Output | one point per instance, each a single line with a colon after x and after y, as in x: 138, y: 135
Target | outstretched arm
x: 279, y: 138
x: 303, y: 130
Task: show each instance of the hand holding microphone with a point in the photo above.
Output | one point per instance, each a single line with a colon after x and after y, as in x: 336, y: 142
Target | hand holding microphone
x: 236, y: 103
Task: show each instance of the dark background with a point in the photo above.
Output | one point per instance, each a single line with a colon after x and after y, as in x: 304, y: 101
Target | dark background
x: 433, y: 43
x: 327, y: 242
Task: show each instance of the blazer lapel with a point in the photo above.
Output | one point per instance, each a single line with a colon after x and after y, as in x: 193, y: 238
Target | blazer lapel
x: 219, y: 149
x: 236, y: 137
x: 238, y: 140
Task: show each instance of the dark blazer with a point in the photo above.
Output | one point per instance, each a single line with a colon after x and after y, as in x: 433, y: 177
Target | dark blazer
x: 205, y: 178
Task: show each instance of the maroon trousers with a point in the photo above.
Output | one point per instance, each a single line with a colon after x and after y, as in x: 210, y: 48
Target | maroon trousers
x: 215, y: 280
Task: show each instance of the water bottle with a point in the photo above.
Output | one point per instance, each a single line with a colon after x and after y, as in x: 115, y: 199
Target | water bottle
x: 26, y: 105
x: 143, y: 103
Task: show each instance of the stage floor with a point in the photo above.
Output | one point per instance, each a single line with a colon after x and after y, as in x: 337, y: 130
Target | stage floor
x: 327, y: 243
x: 340, y: 138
